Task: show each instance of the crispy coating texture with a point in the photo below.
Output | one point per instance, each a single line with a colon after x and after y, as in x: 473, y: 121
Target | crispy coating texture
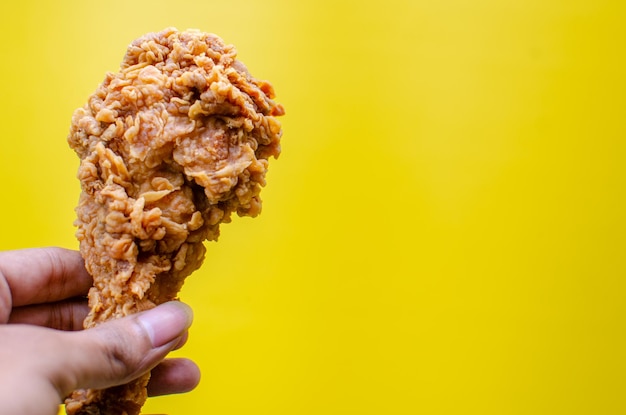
x: 170, y: 146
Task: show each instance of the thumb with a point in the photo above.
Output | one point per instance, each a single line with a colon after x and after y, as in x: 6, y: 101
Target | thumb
x: 118, y: 351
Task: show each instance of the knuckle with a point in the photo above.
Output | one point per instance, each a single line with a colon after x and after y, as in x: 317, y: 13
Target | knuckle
x: 124, y: 353
x: 58, y: 270
x: 64, y: 316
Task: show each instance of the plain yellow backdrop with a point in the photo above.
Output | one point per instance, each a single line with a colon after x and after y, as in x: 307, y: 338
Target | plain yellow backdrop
x: 444, y: 232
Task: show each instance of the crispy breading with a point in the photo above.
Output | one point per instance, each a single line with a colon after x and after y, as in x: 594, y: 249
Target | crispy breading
x: 170, y: 146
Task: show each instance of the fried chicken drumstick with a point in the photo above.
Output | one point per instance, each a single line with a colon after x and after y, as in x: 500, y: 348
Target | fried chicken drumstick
x: 170, y: 146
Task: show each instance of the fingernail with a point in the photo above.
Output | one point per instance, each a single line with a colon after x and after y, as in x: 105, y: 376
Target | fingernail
x: 166, y: 322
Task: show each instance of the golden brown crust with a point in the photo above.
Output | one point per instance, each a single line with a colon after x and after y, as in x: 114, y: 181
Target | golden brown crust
x: 170, y: 147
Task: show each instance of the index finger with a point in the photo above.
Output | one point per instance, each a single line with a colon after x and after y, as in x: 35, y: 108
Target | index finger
x: 42, y: 275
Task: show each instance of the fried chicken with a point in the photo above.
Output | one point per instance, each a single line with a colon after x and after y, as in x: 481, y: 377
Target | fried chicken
x: 169, y: 147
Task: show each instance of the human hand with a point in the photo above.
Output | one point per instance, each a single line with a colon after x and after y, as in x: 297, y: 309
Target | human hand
x: 44, y: 354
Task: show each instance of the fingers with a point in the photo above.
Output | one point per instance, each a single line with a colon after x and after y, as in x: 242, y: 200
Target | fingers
x: 168, y: 377
x: 43, y: 275
x: 118, y: 351
x: 173, y: 376
x: 49, y: 364
x: 61, y: 315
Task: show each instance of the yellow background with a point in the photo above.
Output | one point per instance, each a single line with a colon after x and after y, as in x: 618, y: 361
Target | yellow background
x: 444, y: 232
